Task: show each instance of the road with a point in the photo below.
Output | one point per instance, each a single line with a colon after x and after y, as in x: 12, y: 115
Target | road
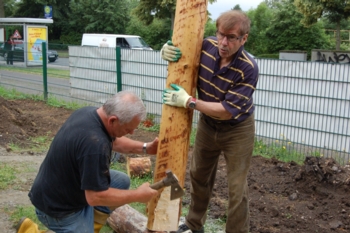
x: 33, y: 83
x: 60, y: 62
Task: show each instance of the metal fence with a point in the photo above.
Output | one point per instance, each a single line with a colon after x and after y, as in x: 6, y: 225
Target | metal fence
x: 302, y: 108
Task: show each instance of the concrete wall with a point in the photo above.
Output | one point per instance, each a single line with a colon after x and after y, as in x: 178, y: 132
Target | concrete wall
x: 331, y: 56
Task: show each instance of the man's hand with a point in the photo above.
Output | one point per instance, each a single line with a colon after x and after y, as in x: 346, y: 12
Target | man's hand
x: 175, y: 97
x: 146, y: 193
x: 169, y: 52
x: 152, y: 147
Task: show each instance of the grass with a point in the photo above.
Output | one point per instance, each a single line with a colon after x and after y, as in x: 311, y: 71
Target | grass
x: 7, y: 176
x: 52, y: 72
x: 34, y: 144
x: 63, y: 53
x: 23, y: 211
x: 52, y: 101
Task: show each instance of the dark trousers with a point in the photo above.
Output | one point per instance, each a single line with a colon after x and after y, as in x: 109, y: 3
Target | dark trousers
x: 9, y: 60
x: 236, y: 141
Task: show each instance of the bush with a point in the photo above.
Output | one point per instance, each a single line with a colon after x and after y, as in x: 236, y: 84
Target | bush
x: 273, y: 56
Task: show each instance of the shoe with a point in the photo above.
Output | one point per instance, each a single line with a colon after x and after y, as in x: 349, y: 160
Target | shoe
x: 183, y: 228
x: 26, y: 225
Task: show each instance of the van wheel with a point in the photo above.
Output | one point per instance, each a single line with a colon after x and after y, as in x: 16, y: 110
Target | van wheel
x: 5, y: 56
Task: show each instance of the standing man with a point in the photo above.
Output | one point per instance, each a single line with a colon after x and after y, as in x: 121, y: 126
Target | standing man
x: 75, y: 190
x: 104, y: 43
x: 9, y: 47
x: 227, y: 79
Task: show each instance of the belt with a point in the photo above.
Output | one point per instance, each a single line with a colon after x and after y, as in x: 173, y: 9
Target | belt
x: 213, y: 121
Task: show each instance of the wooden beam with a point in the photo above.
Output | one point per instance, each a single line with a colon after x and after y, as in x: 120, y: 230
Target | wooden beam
x: 175, y: 127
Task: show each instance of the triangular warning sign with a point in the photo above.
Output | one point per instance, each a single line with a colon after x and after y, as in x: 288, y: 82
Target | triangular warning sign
x: 16, y: 35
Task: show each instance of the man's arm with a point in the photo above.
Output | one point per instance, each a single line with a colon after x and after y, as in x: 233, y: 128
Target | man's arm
x: 130, y: 146
x: 117, y: 197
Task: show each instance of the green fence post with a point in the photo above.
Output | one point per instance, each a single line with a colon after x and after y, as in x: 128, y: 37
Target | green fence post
x: 44, y: 59
x: 119, y: 71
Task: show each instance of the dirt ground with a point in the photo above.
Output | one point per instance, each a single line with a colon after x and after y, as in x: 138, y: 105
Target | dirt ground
x: 284, y: 197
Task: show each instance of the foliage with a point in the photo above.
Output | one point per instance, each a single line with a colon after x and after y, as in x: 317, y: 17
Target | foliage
x: 333, y: 10
x: 282, y: 150
x: 9, y: 7
x: 155, y: 34
x: 272, y: 55
x: 237, y: 7
x: 148, y: 10
x: 287, y: 33
x: 34, y: 9
x: 72, y: 38
x: 210, y: 28
x: 260, y: 21
x: 104, y: 16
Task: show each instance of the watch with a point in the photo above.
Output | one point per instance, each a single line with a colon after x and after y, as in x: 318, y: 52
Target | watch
x: 144, y: 148
x: 192, y: 103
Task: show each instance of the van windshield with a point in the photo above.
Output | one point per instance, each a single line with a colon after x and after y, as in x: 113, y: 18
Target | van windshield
x: 137, y: 42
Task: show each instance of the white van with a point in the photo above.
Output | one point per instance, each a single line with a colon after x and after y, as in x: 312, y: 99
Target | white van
x: 113, y: 40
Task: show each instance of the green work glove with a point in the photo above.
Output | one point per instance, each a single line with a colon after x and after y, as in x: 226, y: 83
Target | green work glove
x: 175, y: 97
x: 169, y: 52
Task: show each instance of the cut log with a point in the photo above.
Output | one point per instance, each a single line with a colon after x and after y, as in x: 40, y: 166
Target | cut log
x: 175, y: 127
x: 138, y: 167
x: 126, y: 219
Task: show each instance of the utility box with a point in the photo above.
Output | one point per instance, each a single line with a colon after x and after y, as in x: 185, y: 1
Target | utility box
x: 294, y: 55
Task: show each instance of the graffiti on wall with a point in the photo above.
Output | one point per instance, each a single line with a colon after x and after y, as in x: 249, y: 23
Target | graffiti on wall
x: 333, y: 57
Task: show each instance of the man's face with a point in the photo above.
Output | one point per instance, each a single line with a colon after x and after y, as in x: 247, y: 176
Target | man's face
x: 118, y: 130
x: 229, y: 41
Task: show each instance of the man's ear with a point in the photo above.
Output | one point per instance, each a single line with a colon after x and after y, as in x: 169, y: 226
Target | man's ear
x: 244, y: 39
x: 112, y: 119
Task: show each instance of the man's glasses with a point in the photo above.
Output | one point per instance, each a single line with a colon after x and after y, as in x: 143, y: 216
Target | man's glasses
x: 230, y: 38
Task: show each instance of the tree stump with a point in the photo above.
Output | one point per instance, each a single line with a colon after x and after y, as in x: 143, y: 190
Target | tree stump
x: 138, y: 167
x: 126, y: 219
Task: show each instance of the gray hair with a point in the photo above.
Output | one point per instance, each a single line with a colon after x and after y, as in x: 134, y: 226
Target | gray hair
x: 125, y: 105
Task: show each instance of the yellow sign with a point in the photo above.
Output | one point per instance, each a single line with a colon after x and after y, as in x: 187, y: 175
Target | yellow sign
x: 36, y: 35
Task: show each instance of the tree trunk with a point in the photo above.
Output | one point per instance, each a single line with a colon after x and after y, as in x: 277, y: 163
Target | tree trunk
x: 138, y: 167
x: 175, y: 128
x: 125, y: 219
x: 2, y: 9
x: 338, y: 36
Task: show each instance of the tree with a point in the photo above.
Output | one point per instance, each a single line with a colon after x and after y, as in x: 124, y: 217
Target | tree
x: 7, y: 8
x: 237, y: 7
x: 287, y: 33
x: 155, y: 34
x: 333, y: 10
x: 210, y: 28
x: 2, y: 9
x: 260, y: 21
x: 148, y: 10
x: 35, y: 9
x: 105, y: 16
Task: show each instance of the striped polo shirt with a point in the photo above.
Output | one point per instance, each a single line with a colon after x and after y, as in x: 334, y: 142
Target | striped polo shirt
x: 232, y: 85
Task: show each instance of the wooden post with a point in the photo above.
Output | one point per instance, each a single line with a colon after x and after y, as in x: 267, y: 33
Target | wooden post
x: 175, y: 127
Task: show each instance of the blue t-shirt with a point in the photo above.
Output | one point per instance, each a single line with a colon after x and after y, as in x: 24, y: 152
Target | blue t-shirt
x: 78, y: 160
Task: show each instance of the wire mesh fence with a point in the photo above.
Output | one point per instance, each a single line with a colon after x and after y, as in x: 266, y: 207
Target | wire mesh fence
x: 302, y: 108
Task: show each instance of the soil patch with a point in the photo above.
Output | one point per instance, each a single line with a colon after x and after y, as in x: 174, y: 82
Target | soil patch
x: 284, y: 197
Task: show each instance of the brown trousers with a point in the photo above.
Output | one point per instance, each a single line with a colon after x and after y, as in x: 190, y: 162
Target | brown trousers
x: 236, y: 142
